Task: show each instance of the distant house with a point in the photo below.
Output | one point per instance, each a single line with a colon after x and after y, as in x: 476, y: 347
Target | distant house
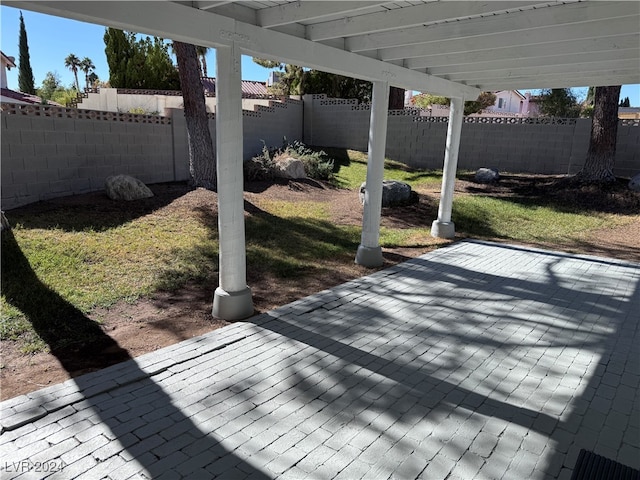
x: 13, y: 96
x: 7, y: 64
x: 513, y: 103
x: 250, y: 88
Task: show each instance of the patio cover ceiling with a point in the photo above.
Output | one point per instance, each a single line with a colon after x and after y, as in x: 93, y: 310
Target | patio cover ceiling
x: 451, y: 48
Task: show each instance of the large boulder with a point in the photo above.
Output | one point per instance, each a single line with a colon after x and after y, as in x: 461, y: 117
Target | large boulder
x: 125, y: 187
x: 634, y: 183
x: 394, y: 193
x: 289, y: 167
x: 487, y: 175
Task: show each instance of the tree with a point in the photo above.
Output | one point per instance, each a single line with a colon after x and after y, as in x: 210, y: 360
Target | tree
x: 396, y: 98
x: 295, y: 80
x: 53, y: 90
x: 484, y: 100
x: 425, y: 100
x: 559, y: 102
x: 586, y: 108
x: 50, y: 84
x: 337, y: 86
x: 598, y: 166
x: 202, y: 56
x: 25, y: 74
x: 87, y: 66
x: 73, y: 63
x: 625, y: 103
x: 93, y: 79
x: 202, y: 160
x: 140, y: 64
x: 119, y: 52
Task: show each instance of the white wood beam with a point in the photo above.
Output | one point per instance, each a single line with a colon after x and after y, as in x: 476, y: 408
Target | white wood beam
x: 631, y: 78
x: 587, y: 68
x: 568, y: 49
x: 407, y: 17
x: 526, y: 22
x: 629, y: 54
x: 236, y: 11
x: 190, y: 25
x: 307, y: 10
x: 206, y: 5
x: 443, y: 227
x: 369, y: 252
x: 538, y: 36
x: 232, y: 297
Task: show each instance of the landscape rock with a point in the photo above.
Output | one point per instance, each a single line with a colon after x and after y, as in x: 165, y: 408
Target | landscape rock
x: 289, y: 167
x: 487, y: 175
x: 634, y: 183
x: 394, y: 193
x: 125, y: 187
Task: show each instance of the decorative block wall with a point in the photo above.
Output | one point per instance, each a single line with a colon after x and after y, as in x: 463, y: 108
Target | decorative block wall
x: 52, y: 152
x: 535, y: 145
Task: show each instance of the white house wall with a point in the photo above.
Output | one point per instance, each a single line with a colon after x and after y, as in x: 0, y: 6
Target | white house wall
x: 507, y: 101
x: 109, y: 100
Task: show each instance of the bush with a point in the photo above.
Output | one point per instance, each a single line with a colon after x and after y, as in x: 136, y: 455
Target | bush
x: 317, y: 164
x: 260, y: 167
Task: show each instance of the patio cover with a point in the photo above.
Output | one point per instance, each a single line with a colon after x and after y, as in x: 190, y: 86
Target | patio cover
x: 451, y: 48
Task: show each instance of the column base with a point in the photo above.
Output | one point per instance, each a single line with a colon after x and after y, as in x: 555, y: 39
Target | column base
x: 369, y: 256
x: 232, y: 305
x: 443, y: 229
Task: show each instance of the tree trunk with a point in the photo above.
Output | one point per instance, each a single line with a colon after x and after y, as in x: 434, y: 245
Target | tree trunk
x: 598, y: 167
x: 202, y: 159
x: 396, y: 98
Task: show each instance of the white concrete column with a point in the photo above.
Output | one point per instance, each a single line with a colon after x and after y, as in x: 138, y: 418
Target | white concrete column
x: 232, y: 299
x: 369, y: 252
x: 443, y: 227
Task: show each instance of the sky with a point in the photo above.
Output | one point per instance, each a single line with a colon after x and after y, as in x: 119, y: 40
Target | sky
x: 51, y: 39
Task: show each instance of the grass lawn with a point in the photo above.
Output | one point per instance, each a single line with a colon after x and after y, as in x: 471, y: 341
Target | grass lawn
x: 65, y: 262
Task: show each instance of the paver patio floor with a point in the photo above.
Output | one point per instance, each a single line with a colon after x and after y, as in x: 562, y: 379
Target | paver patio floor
x: 478, y: 360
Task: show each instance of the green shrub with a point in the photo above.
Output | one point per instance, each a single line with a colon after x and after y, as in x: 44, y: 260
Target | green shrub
x: 317, y: 164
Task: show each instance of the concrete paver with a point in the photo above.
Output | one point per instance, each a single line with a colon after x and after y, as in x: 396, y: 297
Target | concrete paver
x: 478, y: 360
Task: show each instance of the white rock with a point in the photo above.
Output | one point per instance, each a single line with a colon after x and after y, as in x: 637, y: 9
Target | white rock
x: 125, y: 187
x: 289, y: 167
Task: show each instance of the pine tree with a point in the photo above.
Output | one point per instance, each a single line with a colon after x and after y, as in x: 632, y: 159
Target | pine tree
x: 202, y: 159
x: 598, y: 166
x: 25, y: 74
x: 142, y: 64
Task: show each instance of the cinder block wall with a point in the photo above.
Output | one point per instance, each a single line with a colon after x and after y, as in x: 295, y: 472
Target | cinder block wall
x: 52, y: 152
x: 71, y: 153
x: 551, y: 146
x: 269, y: 125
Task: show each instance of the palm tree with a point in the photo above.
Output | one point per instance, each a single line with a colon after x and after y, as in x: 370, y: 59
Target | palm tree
x: 93, y: 79
x: 73, y: 63
x: 202, y: 55
x: 87, y: 66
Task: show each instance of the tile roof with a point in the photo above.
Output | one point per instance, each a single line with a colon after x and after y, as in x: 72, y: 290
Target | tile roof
x: 21, y: 97
x: 249, y: 87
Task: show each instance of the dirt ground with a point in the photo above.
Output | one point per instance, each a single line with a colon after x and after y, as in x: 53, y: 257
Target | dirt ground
x: 167, y: 318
